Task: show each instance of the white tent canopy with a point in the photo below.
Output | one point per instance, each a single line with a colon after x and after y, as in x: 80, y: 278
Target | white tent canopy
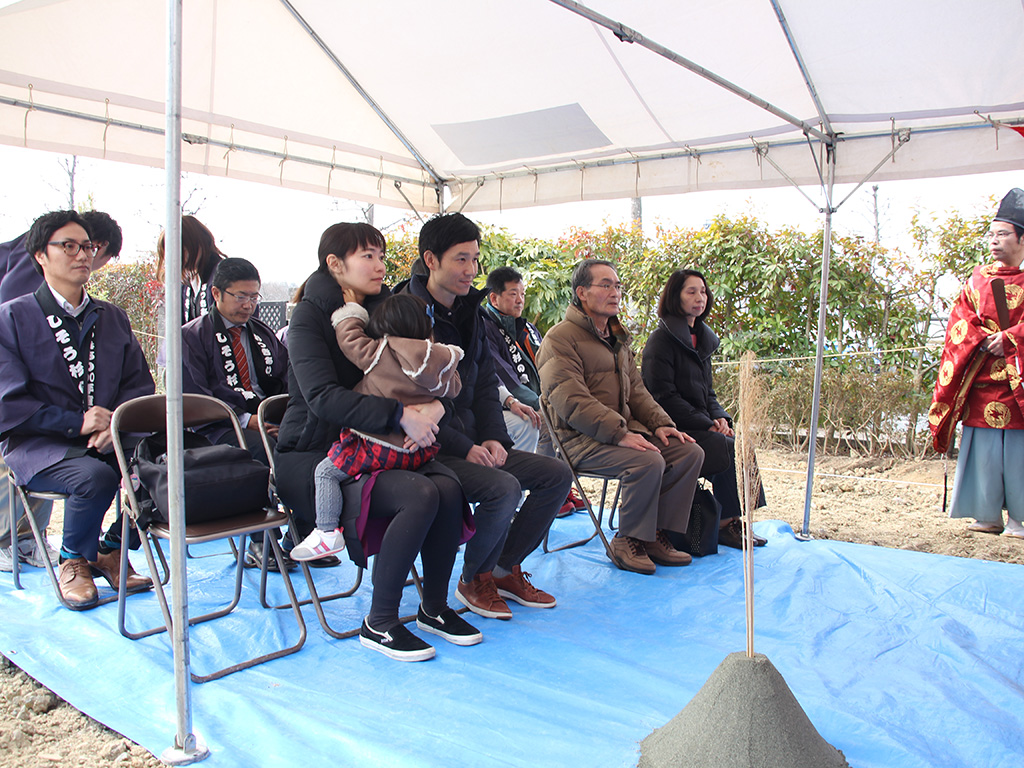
x: 510, y: 104
x: 477, y: 104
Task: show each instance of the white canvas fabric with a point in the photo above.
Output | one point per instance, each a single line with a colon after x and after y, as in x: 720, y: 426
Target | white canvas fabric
x: 511, y: 104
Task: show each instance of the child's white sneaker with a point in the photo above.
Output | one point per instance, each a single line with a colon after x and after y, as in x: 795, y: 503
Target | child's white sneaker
x: 319, y: 544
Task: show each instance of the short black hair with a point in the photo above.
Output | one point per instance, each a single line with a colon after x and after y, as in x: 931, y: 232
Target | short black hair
x: 403, y: 315
x: 445, y: 230
x: 581, y: 276
x: 44, y: 227
x: 343, y: 238
x: 671, y: 304
x: 104, y: 229
x: 501, y: 277
x: 231, y: 270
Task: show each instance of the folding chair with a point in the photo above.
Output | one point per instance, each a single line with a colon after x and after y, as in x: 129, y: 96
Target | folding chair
x: 271, y: 411
x: 12, y: 493
x: 148, y: 414
x: 25, y: 495
x: 596, y: 518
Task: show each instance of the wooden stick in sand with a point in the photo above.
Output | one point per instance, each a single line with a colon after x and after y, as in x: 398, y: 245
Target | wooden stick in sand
x: 748, y: 478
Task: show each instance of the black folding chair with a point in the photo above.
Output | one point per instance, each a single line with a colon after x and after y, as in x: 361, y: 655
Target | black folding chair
x: 271, y: 411
x: 148, y: 414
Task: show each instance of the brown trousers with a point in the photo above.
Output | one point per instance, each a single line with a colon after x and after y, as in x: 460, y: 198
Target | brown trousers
x: 657, y: 488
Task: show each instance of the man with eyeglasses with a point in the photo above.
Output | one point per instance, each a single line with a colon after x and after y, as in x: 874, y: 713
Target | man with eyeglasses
x: 514, y: 341
x: 611, y: 426
x: 230, y: 354
x: 66, y: 362
x: 979, y: 382
x: 18, y: 277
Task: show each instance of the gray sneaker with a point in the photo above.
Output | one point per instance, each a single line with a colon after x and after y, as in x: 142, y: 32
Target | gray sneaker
x: 30, y: 554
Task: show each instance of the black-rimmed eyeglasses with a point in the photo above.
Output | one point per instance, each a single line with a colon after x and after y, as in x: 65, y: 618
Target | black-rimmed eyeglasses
x: 72, y: 247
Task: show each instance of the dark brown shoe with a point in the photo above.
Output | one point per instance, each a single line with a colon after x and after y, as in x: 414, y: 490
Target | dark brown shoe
x: 731, y: 535
x: 630, y: 554
x: 108, y: 566
x: 76, y: 584
x: 662, y: 552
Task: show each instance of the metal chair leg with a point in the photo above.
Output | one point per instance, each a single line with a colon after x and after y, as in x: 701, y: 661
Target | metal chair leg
x: 597, y: 519
x: 15, y: 560
x: 24, y: 494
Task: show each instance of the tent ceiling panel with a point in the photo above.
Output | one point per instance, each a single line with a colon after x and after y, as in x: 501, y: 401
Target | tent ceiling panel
x: 521, y: 103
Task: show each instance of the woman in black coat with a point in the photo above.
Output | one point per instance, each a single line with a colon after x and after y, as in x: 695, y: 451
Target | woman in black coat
x: 423, y: 509
x: 677, y: 371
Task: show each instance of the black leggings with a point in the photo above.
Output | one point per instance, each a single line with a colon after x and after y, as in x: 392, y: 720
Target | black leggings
x: 426, y: 517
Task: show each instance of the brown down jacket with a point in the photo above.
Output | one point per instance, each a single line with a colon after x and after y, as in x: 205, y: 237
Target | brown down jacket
x: 594, y: 390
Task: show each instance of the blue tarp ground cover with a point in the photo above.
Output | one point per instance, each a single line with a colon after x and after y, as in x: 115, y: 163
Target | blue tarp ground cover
x: 900, y: 659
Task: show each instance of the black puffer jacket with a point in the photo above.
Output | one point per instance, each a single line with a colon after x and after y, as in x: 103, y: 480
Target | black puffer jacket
x: 320, y: 377
x: 477, y: 410
x: 679, y: 376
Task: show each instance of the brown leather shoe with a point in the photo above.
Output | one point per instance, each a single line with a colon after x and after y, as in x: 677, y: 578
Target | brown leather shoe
x: 76, y: 584
x: 731, y: 535
x: 630, y: 554
x: 108, y: 566
x: 481, y: 597
x: 662, y: 552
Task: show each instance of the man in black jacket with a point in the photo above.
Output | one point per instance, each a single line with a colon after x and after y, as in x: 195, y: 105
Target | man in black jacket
x: 475, y: 443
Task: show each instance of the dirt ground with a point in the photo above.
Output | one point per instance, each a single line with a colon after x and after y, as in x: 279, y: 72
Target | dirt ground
x: 883, y: 502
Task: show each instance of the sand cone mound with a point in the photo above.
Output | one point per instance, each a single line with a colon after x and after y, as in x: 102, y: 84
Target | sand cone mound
x: 745, y: 716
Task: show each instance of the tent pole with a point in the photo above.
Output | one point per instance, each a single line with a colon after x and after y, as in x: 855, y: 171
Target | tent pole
x: 187, y: 748
x: 826, y: 255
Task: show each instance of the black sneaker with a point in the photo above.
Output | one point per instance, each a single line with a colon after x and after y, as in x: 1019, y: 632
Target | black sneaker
x: 397, y: 643
x: 331, y: 561
x: 254, y: 558
x: 450, y: 626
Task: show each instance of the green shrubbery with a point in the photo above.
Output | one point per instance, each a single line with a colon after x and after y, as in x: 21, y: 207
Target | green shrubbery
x: 884, y: 321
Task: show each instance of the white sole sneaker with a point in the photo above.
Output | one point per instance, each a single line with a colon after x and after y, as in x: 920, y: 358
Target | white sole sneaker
x: 449, y: 626
x: 503, y: 615
x: 399, y: 643
x: 318, y: 544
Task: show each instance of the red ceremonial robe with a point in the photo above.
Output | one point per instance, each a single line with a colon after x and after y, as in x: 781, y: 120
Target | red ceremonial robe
x: 981, y: 389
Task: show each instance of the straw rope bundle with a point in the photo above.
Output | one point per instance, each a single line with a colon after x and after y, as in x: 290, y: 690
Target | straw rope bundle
x: 751, y: 400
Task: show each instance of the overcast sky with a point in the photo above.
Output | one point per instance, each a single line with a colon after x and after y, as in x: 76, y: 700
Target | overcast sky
x: 278, y: 229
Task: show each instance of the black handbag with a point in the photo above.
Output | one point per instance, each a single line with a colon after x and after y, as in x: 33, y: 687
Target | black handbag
x: 701, y: 537
x: 220, y: 480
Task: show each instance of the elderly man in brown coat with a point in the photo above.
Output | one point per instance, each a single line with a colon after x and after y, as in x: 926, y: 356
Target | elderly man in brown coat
x: 612, y: 427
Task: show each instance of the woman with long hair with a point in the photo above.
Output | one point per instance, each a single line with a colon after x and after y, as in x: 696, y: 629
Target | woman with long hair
x: 677, y: 372
x: 199, y: 258
x: 421, y: 510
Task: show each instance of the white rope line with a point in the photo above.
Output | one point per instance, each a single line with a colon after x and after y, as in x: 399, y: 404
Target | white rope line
x: 850, y: 477
x: 936, y: 345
